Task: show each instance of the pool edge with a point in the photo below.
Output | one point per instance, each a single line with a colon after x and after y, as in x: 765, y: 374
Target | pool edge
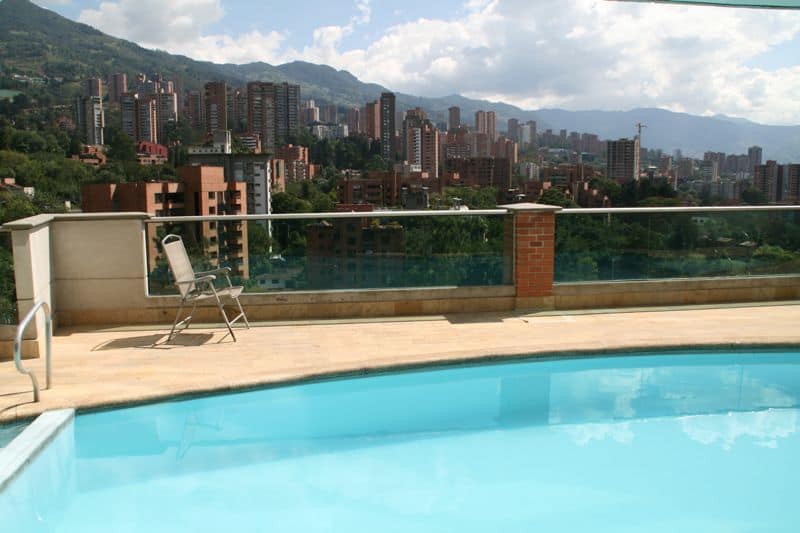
x: 33, y: 439
x: 434, y: 363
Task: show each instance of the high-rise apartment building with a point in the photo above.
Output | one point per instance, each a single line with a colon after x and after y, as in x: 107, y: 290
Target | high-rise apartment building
x: 329, y: 114
x: 309, y: 113
x: 480, y: 121
x: 685, y: 167
x: 532, y: 124
x: 506, y: 148
x: 791, y: 176
x: 353, y: 121
x: 94, y: 120
x: 491, y: 126
x: 216, y: 106
x: 89, y: 115
x: 273, y: 112
x: 513, y: 129
x: 622, y: 163
x: 147, y: 120
x: 128, y: 103
x: 195, y: 110
x: 93, y: 87
x: 296, y: 159
x: 422, y: 145
x: 457, y: 144
x: 372, y: 120
x: 200, y: 190
x: 482, y: 171
x: 261, y: 113
x: 388, y: 144
x: 237, y: 109
x: 117, y: 86
x: 754, y: 154
x: 453, y: 118
x: 767, y: 179
x: 524, y: 135
x: 166, y: 114
x: 480, y: 145
x: 287, y: 111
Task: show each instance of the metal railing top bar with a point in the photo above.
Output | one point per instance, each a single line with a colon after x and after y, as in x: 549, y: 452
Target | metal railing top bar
x: 659, y: 210
x: 322, y: 216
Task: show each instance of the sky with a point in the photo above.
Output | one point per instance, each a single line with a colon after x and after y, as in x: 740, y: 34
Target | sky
x: 570, y: 54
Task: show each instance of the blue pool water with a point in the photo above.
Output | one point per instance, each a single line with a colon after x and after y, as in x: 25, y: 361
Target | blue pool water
x: 656, y: 443
x: 9, y: 431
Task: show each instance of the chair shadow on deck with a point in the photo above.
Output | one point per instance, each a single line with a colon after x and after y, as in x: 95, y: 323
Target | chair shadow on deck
x: 157, y: 341
x: 479, y: 318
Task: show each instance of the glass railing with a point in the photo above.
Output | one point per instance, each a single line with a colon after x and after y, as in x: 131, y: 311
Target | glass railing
x: 8, y: 293
x: 334, y: 251
x: 661, y: 243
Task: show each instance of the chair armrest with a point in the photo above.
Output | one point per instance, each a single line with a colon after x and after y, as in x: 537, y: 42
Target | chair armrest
x: 199, y: 279
x: 221, y: 270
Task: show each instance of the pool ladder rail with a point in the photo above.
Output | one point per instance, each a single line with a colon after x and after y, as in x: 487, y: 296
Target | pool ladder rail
x: 48, y: 328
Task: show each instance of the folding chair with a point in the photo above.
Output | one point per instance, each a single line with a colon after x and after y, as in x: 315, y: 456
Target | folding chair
x: 195, y: 286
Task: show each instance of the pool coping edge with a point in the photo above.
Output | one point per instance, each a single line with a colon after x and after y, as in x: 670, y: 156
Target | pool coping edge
x: 435, y: 363
x: 26, y: 446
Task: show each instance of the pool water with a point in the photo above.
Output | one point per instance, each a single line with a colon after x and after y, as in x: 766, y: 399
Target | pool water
x: 9, y: 432
x: 656, y: 443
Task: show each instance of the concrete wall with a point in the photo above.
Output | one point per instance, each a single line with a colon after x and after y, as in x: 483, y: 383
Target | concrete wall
x: 33, y: 274
x: 597, y: 295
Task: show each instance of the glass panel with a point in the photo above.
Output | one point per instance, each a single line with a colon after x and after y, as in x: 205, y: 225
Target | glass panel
x: 8, y: 291
x: 366, y: 252
x: 662, y: 245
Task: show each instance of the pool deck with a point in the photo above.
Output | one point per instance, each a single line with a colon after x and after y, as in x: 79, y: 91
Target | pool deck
x: 115, y: 366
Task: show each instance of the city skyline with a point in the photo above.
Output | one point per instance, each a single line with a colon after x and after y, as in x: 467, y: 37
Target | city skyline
x: 699, y: 60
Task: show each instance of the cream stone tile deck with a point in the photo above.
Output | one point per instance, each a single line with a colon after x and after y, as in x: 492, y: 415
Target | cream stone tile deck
x: 125, y: 365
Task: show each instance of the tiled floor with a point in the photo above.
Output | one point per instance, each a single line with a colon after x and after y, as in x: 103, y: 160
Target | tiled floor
x: 115, y: 366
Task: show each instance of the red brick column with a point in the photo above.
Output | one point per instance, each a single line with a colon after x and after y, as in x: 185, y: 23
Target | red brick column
x: 534, y: 249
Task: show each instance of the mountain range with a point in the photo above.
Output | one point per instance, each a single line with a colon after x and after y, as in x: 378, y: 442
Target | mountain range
x: 37, y: 41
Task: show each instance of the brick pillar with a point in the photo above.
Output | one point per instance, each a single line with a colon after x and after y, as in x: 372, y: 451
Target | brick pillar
x: 534, y: 249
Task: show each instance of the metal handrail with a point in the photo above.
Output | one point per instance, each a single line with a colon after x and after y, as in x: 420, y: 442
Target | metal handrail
x: 660, y: 210
x: 335, y: 214
x: 18, y: 346
x: 470, y: 212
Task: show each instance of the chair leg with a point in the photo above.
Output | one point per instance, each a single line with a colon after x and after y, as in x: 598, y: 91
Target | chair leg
x: 244, y: 316
x: 185, y: 322
x: 175, y: 323
x: 224, y: 316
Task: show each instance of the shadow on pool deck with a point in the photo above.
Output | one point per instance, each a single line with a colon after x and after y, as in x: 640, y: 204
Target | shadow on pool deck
x: 156, y: 341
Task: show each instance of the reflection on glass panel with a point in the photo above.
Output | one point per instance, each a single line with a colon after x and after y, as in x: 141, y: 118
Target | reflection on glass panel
x: 597, y: 247
x: 342, y: 253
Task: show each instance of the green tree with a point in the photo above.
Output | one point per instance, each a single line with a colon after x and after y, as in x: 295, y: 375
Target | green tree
x: 121, y: 147
x: 557, y: 197
x: 754, y: 196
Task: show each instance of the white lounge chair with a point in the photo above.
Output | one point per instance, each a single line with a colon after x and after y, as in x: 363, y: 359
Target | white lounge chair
x: 195, y: 286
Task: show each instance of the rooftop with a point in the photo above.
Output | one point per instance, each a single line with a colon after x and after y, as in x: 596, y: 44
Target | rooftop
x: 106, y: 367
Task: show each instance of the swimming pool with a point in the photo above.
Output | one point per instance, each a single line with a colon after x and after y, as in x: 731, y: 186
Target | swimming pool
x: 671, y: 442
x: 9, y: 431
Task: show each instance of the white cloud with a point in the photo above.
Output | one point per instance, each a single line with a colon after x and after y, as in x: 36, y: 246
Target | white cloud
x: 766, y: 428
x: 177, y: 26
x: 581, y: 54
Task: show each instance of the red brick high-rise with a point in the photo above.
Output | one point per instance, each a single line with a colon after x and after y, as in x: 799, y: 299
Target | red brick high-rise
x: 216, y: 106
x: 117, y: 85
x: 372, y: 120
